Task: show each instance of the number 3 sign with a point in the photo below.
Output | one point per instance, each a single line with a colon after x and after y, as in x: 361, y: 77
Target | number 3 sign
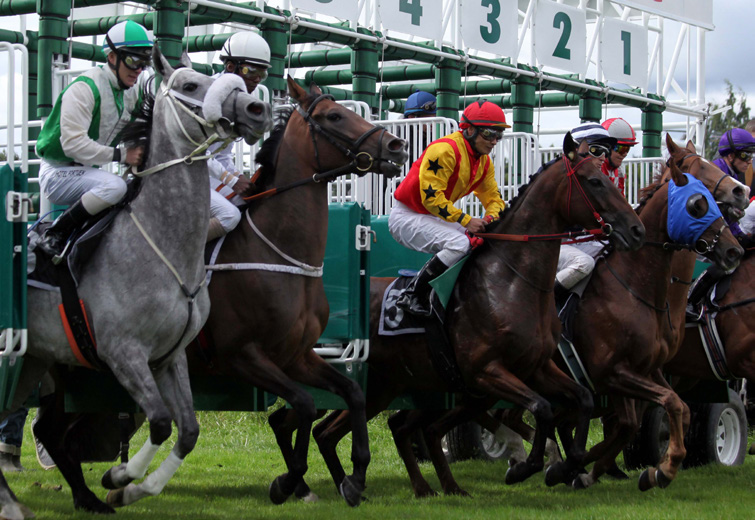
x: 490, y: 25
x: 560, y: 34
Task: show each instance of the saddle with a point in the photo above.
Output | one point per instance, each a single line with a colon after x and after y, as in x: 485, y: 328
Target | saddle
x: 65, y: 276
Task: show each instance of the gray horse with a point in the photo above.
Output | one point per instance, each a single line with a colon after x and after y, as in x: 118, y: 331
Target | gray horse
x: 144, y: 288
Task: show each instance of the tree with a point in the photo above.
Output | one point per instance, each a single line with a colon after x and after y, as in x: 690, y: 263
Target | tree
x: 736, y: 117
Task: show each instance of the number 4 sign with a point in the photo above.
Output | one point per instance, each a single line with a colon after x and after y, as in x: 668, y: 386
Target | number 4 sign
x: 560, y: 34
x: 416, y: 17
x: 624, y: 52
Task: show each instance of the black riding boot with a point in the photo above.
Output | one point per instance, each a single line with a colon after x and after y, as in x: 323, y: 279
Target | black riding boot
x: 54, y: 239
x: 416, y: 298
x: 700, y: 289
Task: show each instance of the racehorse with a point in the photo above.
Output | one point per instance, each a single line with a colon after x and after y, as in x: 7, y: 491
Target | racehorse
x: 268, y: 301
x: 625, y: 330
x: 143, y: 287
x: 501, y: 352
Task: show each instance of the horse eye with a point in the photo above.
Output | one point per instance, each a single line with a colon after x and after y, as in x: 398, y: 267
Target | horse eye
x: 190, y: 87
x: 333, y: 117
x: 594, y: 182
x: 697, y: 205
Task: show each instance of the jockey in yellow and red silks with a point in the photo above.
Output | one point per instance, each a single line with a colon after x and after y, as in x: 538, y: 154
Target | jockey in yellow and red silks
x: 424, y: 217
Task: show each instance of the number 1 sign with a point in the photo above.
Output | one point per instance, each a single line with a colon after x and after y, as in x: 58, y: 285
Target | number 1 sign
x: 624, y: 52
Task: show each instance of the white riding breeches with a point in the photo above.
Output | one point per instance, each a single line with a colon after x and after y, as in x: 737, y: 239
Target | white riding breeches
x: 224, y: 210
x: 573, y: 266
x: 428, y: 234
x: 65, y: 185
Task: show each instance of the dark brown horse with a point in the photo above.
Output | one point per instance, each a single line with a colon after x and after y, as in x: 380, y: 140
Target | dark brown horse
x: 265, y: 320
x: 625, y: 331
x: 501, y: 322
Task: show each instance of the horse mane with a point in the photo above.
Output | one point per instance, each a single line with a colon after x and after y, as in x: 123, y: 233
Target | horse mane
x: 137, y: 132
x: 648, y: 191
x: 268, y: 153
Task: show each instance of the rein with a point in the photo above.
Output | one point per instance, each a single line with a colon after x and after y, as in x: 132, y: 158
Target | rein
x: 330, y: 136
x: 603, y: 232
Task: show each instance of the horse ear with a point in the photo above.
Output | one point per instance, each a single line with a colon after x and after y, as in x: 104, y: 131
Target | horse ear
x: 671, y: 146
x: 677, y: 175
x: 298, y: 93
x: 185, y: 60
x: 570, y: 147
x: 161, y: 64
x: 315, y: 90
x: 691, y: 146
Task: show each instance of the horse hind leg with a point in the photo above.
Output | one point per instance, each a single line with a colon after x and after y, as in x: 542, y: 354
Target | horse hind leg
x: 284, y: 422
x: 403, y: 424
x: 173, y: 385
x: 316, y: 372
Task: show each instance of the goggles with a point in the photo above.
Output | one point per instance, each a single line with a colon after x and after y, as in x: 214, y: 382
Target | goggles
x: 251, y: 72
x: 621, y: 148
x: 743, y: 155
x: 490, y: 135
x: 597, y: 150
x: 430, y: 106
x: 134, y: 62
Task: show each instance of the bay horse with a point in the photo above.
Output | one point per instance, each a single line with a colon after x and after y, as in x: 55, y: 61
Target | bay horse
x: 625, y: 329
x: 265, y: 320
x: 502, y: 352
x: 143, y: 287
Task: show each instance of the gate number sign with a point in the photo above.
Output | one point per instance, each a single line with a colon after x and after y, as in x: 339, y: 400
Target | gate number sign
x: 624, y: 52
x: 560, y: 34
x: 490, y: 25
x: 416, y: 17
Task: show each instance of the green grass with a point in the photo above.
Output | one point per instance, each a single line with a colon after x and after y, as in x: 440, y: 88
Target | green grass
x: 236, y: 458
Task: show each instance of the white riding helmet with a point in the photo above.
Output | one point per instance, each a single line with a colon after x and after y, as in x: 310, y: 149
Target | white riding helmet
x: 621, y: 130
x: 246, y: 47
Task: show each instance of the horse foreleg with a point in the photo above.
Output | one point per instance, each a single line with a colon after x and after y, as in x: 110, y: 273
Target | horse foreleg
x: 403, y: 424
x: 284, y: 422
x: 173, y: 384
x: 513, y: 442
x: 551, y: 381
x: 498, y: 382
x: 316, y: 372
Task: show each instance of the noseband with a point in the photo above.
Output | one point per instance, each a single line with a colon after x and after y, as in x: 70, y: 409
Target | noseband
x: 351, y: 150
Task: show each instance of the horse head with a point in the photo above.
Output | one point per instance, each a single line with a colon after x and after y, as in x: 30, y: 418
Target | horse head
x: 590, y: 198
x: 732, y: 196
x: 692, y: 208
x: 202, y: 106
x: 341, y: 137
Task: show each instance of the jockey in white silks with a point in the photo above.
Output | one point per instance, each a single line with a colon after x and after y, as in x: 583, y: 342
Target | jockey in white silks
x: 247, y: 55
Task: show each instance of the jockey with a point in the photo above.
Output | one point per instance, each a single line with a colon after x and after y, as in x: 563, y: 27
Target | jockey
x: 424, y: 217
x: 575, y: 262
x: 625, y: 140
x: 84, y: 129
x: 735, y: 149
x: 420, y: 104
x: 247, y: 55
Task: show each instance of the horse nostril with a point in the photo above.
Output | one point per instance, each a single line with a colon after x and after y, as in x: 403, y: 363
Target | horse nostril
x: 397, y: 144
x: 255, y: 109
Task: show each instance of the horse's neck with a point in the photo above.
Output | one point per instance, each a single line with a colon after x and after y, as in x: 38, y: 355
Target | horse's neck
x: 537, y: 261
x: 648, y: 270
x: 295, y: 220
x: 173, y: 204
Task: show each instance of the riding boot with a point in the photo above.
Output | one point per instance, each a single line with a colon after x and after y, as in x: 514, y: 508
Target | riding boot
x: 701, y: 288
x: 416, y: 298
x: 54, y: 239
x: 561, y: 294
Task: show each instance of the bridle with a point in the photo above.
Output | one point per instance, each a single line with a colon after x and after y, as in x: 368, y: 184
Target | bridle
x: 351, y: 151
x: 680, y: 163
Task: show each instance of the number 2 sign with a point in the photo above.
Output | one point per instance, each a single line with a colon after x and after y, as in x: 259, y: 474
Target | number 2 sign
x: 624, y: 52
x: 415, y: 17
x: 560, y: 34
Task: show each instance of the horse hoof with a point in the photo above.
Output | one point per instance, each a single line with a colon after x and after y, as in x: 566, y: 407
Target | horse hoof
x: 555, y: 474
x: 108, y: 481
x: 459, y: 492
x: 115, y: 497
x: 351, y: 492
x: 277, y: 495
x: 92, y: 504
x: 645, y: 482
x: 582, y: 481
x: 661, y: 479
x: 425, y: 493
x: 520, y: 472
